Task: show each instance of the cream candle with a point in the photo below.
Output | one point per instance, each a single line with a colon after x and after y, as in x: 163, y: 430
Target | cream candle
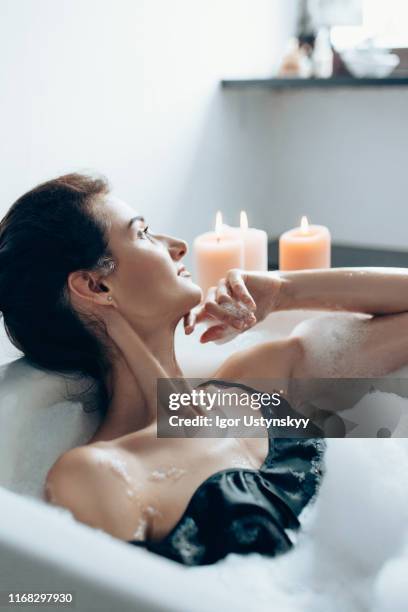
x: 255, y: 244
x: 305, y: 247
x: 215, y: 253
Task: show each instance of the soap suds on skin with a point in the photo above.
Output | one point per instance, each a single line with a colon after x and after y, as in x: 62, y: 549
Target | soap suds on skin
x: 152, y: 511
x: 117, y: 466
x: 141, y: 528
x: 163, y: 473
x: 237, y: 311
x: 142, y: 524
x: 149, y: 512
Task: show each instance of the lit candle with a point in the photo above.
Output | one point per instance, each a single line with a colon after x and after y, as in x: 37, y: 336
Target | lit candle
x: 215, y: 253
x: 255, y: 244
x: 305, y: 247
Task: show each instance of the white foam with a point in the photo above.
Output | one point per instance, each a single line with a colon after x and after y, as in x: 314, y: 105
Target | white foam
x: 116, y: 465
x: 349, y: 554
x: 331, y: 344
x: 152, y: 511
x: 164, y: 473
x: 141, y: 528
x: 237, y: 310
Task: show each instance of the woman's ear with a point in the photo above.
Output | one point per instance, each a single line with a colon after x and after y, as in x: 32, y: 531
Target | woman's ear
x: 88, y: 286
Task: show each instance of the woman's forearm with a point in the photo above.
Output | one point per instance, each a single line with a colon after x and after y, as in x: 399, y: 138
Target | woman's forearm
x: 368, y: 290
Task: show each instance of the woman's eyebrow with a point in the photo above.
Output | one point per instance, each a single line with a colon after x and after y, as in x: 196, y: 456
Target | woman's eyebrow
x: 133, y: 219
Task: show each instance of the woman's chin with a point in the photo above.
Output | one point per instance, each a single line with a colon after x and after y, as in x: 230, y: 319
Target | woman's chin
x: 197, y: 292
x: 192, y: 292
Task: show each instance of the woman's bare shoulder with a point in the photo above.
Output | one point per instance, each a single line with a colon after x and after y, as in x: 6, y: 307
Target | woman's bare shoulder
x: 92, y: 481
x: 76, y: 471
x: 79, y: 461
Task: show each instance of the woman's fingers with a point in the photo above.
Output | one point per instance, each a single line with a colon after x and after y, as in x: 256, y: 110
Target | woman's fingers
x: 213, y: 333
x: 216, y: 332
x: 196, y: 315
x: 189, y: 322
x: 192, y: 318
x: 230, y: 304
x: 222, y: 294
x: 226, y: 313
x: 199, y: 313
x: 236, y: 283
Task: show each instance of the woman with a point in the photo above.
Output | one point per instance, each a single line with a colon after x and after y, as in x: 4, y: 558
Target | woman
x: 85, y: 286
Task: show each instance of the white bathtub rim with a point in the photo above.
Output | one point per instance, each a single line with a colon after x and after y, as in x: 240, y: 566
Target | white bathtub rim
x: 77, y: 550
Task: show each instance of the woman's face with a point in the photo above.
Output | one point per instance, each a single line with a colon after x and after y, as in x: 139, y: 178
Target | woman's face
x: 150, y: 282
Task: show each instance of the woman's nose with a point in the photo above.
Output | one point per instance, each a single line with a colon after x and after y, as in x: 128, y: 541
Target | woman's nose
x: 178, y: 248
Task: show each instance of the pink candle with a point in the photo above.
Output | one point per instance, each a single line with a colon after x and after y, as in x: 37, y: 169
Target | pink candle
x: 305, y: 247
x: 255, y: 244
x: 215, y: 253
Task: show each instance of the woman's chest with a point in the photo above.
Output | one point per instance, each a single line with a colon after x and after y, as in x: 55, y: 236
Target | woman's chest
x: 173, y: 470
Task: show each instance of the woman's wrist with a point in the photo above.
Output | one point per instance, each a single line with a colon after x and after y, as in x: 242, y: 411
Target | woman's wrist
x: 308, y: 289
x: 278, y: 291
x: 286, y: 299
x: 292, y: 290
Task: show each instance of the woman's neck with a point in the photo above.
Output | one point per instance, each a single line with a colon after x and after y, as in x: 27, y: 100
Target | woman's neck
x: 161, y: 345
x: 129, y: 410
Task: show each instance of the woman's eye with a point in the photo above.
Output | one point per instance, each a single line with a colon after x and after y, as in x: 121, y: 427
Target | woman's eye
x: 144, y: 233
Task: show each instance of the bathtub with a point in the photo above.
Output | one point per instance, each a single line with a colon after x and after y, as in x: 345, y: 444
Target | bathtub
x: 44, y: 549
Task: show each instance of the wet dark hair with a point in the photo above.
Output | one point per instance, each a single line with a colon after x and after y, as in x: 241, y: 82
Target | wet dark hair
x: 54, y: 229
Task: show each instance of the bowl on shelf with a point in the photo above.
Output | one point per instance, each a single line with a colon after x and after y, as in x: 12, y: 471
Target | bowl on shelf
x: 370, y: 63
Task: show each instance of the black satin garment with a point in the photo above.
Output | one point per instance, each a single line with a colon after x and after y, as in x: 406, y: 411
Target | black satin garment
x: 240, y: 510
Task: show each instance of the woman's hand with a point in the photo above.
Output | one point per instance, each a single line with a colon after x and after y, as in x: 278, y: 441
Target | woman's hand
x: 240, y: 300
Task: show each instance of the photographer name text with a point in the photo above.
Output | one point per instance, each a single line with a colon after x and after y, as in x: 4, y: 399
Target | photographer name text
x: 246, y: 421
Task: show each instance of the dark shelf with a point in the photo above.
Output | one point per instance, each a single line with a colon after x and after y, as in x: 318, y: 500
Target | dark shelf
x: 298, y: 83
x: 349, y: 255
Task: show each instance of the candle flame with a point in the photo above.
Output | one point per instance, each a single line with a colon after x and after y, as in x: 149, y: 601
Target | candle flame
x: 218, y: 224
x: 304, y: 225
x: 243, y: 220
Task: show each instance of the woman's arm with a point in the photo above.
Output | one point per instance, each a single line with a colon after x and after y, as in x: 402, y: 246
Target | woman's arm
x: 376, y: 291
x: 372, y: 346
x: 244, y: 298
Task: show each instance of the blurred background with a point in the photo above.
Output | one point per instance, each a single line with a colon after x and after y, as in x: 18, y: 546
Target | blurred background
x: 132, y: 89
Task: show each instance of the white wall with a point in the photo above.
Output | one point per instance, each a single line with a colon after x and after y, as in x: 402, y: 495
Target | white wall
x: 336, y: 155
x: 130, y: 88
